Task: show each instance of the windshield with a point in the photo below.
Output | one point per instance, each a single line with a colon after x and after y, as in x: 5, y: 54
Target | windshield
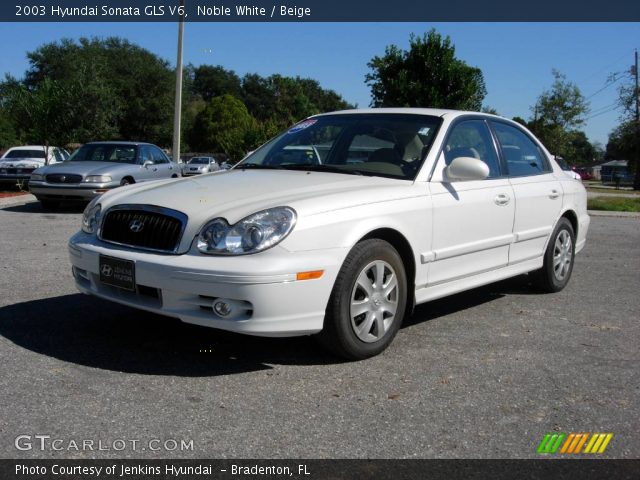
x: 105, y: 153
x: 386, y: 145
x: 199, y: 161
x: 25, y: 154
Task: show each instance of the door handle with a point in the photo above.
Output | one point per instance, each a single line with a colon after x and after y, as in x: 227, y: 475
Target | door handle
x: 502, y: 199
x: 554, y: 194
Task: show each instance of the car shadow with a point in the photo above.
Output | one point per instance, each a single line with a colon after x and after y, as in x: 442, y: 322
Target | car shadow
x: 92, y: 332
x: 519, y: 285
x: 96, y: 333
x: 36, y: 207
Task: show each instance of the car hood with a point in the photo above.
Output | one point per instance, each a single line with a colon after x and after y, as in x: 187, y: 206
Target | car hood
x: 86, y: 168
x: 238, y: 193
x: 21, y: 162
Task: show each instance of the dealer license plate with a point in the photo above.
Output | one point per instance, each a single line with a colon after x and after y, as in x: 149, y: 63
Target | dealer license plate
x: 118, y: 273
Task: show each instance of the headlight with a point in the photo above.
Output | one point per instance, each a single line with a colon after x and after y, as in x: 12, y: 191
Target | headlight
x: 252, y: 234
x: 91, y: 217
x: 36, y: 177
x: 98, y: 179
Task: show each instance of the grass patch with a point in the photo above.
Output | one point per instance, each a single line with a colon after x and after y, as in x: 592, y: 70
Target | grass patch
x: 612, y: 190
x: 614, y: 204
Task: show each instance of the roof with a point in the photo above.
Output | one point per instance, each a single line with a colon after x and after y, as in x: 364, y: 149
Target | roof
x: 615, y: 163
x: 30, y: 147
x: 436, y: 112
x: 118, y: 142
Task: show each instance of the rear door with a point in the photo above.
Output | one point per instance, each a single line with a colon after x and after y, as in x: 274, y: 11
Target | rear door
x: 472, y: 220
x: 538, y: 194
x: 165, y: 168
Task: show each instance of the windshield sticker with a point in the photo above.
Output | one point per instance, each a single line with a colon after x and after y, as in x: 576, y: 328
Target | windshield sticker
x: 301, y: 126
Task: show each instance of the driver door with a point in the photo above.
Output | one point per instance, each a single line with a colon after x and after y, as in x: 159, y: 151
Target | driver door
x: 472, y: 220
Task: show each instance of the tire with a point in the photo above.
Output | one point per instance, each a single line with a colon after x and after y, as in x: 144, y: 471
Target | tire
x: 558, y: 259
x: 126, y: 181
x: 50, y: 204
x: 364, y: 335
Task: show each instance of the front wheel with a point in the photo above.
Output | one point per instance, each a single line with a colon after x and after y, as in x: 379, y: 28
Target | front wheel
x: 367, y: 303
x: 558, y: 259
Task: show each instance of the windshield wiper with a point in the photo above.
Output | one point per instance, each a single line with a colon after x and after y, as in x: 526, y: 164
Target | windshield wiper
x: 323, y: 168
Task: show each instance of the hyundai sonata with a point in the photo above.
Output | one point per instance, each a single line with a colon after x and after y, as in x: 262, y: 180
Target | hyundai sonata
x: 386, y: 209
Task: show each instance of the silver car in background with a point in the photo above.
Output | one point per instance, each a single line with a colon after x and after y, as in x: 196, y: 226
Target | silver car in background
x: 98, y: 167
x: 199, y: 165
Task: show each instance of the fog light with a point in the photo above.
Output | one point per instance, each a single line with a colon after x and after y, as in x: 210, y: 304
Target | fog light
x: 222, y: 308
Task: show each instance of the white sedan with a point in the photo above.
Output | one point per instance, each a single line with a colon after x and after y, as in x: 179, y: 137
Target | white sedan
x: 397, y: 208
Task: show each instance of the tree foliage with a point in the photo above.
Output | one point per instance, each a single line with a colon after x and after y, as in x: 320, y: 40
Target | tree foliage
x: 114, y: 82
x: 426, y: 75
x: 558, y: 113
x: 105, y: 89
x: 222, y: 126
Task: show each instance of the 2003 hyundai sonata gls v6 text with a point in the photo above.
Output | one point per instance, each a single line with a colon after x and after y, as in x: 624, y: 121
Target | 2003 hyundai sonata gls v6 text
x: 383, y: 210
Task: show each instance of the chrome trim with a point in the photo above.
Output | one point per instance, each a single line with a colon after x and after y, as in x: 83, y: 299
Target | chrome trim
x: 182, y: 217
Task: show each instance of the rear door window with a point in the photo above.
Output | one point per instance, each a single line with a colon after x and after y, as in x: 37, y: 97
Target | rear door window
x: 522, y: 156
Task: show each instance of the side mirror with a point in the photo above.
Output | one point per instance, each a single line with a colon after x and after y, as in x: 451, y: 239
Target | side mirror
x: 148, y: 163
x: 466, y: 169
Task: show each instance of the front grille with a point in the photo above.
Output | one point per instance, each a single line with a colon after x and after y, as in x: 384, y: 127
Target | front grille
x: 147, y: 228
x: 63, y: 178
x: 16, y: 171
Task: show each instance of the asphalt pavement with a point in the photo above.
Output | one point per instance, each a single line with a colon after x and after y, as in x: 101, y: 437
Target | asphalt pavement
x: 483, y: 374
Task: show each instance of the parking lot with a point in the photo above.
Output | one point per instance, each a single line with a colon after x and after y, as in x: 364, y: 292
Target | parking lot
x: 483, y: 374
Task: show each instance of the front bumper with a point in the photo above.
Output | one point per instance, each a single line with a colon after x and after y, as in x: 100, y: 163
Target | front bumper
x: 267, y: 298
x: 13, y: 177
x: 85, y: 192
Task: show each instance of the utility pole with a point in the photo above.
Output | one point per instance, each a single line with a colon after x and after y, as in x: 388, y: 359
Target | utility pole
x: 636, y: 181
x: 177, y: 114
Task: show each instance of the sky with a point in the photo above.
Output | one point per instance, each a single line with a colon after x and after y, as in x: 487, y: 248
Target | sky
x: 516, y: 58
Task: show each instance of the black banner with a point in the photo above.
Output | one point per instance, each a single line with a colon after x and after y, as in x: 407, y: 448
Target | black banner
x: 317, y: 11
x: 544, y: 469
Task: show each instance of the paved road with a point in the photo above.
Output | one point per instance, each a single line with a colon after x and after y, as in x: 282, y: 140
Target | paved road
x: 482, y: 374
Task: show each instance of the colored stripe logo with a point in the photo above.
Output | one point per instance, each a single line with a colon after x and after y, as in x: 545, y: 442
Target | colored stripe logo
x: 574, y: 443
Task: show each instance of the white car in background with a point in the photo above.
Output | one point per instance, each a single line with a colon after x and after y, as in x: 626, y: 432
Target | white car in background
x: 18, y: 163
x: 403, y: 206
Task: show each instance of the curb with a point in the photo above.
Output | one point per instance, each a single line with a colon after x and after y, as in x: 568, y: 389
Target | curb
x: 608, y: 213
x: 17, y: 200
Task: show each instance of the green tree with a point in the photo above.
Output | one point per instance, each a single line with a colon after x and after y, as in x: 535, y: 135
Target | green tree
x: 558, y: 113
x: 122, y: 90
x: 222, y: 127
x: 8, y: 134
x: 427, y: 75
x: 40, y: 111
x: 624, y: 141
x: 213, y: 81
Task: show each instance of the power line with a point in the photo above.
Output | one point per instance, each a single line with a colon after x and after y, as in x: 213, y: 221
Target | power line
x: 616, y: 77
x: 601, y: 113
x: 607, y: 67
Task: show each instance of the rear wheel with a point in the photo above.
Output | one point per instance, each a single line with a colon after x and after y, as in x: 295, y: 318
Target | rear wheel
x: 126, y: 181
x: 367, y: 303
x: 558, y: 259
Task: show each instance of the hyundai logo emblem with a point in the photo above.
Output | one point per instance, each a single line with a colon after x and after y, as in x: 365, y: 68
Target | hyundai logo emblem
x: 106, y: 270
x: 136, y: 225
